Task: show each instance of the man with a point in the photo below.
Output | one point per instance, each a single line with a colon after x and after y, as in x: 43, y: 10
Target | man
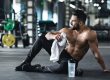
x: 79, y: 39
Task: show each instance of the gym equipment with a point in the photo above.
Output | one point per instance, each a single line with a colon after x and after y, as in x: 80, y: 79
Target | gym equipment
x: 45, y: 26
x: 25, y: 39
x: 9, y: 25
x: 23, y: 36
x: 8, y: 39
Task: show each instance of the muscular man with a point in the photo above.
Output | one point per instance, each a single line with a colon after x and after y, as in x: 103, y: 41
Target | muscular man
x: 79, y: 39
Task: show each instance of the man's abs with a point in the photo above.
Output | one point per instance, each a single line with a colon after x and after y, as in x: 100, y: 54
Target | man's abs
x: 77, y: 53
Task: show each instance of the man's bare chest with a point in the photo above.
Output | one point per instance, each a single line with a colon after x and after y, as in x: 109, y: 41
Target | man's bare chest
x: 74, y: 37
x: 82, y: 38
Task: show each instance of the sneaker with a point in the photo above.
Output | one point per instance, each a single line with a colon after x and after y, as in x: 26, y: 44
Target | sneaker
x: 39, y: 69
x: 20, y: 67
x: 36, y: 65
x: 30, y: 68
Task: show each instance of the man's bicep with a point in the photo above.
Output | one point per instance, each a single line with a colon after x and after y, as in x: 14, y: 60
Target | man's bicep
x: 93, y: 42
x: 58, y: 32
x: 51, y: 35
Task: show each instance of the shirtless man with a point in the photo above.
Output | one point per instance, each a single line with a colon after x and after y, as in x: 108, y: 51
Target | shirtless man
x: 80, y: 39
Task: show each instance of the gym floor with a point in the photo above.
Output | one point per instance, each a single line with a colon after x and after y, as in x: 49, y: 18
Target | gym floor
x: 12, y: 57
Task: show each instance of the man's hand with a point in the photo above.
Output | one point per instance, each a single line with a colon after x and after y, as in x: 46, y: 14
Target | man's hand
x: 53, y: 35
x: 58, y: 37
x: 106, y: 70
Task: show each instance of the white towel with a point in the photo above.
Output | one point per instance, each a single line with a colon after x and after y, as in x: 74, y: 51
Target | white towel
x: 57, y: 48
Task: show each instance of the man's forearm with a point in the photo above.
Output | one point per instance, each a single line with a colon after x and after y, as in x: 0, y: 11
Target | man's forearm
x: 102, y: 64
x: 51, y: 35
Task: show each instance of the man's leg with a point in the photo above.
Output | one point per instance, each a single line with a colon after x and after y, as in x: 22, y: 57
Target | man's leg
x: 60, y: 67
x: 65, y: 56
x: 40, y: 43
x: 55, y: 68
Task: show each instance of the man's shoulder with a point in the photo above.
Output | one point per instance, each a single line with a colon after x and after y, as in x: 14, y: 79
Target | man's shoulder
x: 64, y: 29
x: 91, y: 30
x: 92, y: 34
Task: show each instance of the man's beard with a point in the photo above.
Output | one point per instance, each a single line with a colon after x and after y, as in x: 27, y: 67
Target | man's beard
x: 75, y: 27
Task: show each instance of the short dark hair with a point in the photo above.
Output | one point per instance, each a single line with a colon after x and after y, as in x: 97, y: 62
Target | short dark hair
x: 80, y: 14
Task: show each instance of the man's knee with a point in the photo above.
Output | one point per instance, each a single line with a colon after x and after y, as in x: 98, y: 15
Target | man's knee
x: 42, y: 37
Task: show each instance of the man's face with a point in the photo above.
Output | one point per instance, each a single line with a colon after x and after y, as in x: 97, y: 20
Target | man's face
x: 74, y: 22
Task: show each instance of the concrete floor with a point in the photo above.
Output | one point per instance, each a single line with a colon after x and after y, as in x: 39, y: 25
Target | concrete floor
x: 11, y: 57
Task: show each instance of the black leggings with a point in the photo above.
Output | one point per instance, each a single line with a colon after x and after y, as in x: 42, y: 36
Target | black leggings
x: 42, y: 42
